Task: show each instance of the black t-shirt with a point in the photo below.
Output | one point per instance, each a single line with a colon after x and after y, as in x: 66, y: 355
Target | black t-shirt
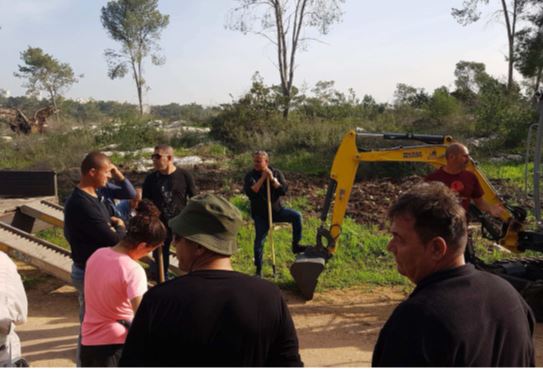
x: 212, y: 318
x: 169, y: 193
x: 259, y: 201
x: 87, y: 226
x: 461, y: 318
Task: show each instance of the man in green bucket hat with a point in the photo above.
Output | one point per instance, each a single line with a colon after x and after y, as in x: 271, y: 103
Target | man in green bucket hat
x: 212, y: 316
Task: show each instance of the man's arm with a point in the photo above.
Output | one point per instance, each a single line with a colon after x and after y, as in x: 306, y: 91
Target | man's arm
x: 477, y: 197
x: 280, y: 183
x: 94, y: 226
x: 14, y: 307
x: 146, y: 188
x: 285, y: 351
x: 123, y: 189
x: 493, y: 209
x: 255, y: 188
x: 191, y: 187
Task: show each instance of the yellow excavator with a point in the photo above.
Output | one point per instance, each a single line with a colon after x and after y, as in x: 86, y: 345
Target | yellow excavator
x: 525, y: 274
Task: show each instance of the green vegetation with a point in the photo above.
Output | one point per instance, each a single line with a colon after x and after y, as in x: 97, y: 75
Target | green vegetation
x: 54, y: 235
x: 361, y: 256
x: 512, y: 173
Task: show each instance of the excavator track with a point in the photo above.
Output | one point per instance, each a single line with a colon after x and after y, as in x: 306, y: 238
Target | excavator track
x: 529, y: 268
x: 46, y: 256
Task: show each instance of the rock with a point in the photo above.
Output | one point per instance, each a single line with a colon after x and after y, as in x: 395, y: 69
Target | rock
x: 507, y: 158
x: 189, y: 161
x: 111, y: 147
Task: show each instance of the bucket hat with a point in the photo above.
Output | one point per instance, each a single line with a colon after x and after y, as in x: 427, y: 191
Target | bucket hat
x: 211, y: 221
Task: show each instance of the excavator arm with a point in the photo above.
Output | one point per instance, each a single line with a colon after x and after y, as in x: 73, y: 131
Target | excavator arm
x: 310, y: 264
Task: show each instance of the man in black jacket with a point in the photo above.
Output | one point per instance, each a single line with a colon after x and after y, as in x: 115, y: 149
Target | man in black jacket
x: 457, y: 315
x: 213, y: 316
x: 169, y: 188
x: 87, y: 222
x: 255, y: 188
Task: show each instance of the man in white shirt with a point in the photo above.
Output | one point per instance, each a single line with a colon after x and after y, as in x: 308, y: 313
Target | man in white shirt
x: 13, y: 310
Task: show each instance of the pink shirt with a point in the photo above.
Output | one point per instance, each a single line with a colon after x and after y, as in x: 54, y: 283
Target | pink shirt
x: 112, y: 279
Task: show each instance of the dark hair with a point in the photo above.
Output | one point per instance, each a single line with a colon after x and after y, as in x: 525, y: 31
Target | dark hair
x: 93, y: 160
x: 437, y: 211
x: 145, y: 226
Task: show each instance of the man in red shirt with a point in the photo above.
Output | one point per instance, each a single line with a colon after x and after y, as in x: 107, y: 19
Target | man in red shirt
x: 464, y: 183
x: 461, y: 181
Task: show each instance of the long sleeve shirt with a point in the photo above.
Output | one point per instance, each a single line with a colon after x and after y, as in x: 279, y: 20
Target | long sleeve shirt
x: 87, y: 226
x: 13, y: 310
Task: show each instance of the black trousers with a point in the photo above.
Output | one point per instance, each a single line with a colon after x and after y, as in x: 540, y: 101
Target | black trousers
x: 107, y: 355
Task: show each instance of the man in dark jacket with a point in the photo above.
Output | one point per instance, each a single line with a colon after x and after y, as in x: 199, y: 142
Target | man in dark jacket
x: 255, y: 188
x: 213, y: 316
x: 457, y: 315
x: 169, y: 188
x: 88, y: 224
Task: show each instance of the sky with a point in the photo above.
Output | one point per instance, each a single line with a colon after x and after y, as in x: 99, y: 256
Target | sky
x: 377, y: 45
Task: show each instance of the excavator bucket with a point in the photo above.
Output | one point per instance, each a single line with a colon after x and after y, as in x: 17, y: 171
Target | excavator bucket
x: 306, y: 270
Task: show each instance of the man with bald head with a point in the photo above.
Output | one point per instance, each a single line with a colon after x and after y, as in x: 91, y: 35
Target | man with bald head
x: 169, y: 188
x: 457, y: 316
x: 461, y: 181
x: 88, y: 225
x: 464, y: 183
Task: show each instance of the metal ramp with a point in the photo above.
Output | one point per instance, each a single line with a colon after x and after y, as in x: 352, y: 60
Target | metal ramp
x: 46, y: 256
x: 45, y: 211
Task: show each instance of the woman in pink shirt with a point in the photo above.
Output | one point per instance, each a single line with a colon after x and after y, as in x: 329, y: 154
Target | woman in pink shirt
x: 114, y: 285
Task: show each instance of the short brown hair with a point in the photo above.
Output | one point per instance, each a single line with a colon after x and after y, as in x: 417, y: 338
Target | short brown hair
x: 93, y: 160
x: 164, y: 148
x: 261, y: 153
x: 437, y: 211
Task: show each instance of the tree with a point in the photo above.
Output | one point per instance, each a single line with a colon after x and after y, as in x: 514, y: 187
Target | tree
x: 284, y: 23
x: 529, y: 49
x: 136, y: 25
x: 409, y: 95
x: 45, y: 74
x: 512, y: 11
x: 470, y: 78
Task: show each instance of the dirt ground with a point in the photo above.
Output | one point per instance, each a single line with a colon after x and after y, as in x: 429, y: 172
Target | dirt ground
x: 335, y: 329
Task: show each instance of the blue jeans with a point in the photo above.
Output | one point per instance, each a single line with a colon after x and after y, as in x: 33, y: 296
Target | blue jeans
x: 78, y: 281
x: 262, y: 226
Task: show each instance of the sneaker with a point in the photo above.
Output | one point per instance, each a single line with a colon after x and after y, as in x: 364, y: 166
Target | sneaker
x: 299, y: 248
x: 258, y: 274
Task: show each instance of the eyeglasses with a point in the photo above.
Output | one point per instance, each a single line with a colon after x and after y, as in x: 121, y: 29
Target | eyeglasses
x: 156, y: 156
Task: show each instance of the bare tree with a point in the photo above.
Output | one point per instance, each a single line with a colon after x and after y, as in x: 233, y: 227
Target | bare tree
x: 512, y: 10
x: 284, y: 23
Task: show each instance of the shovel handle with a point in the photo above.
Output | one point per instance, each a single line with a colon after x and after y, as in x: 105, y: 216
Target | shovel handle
x: 270, y: 223
x: 161, y: 274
